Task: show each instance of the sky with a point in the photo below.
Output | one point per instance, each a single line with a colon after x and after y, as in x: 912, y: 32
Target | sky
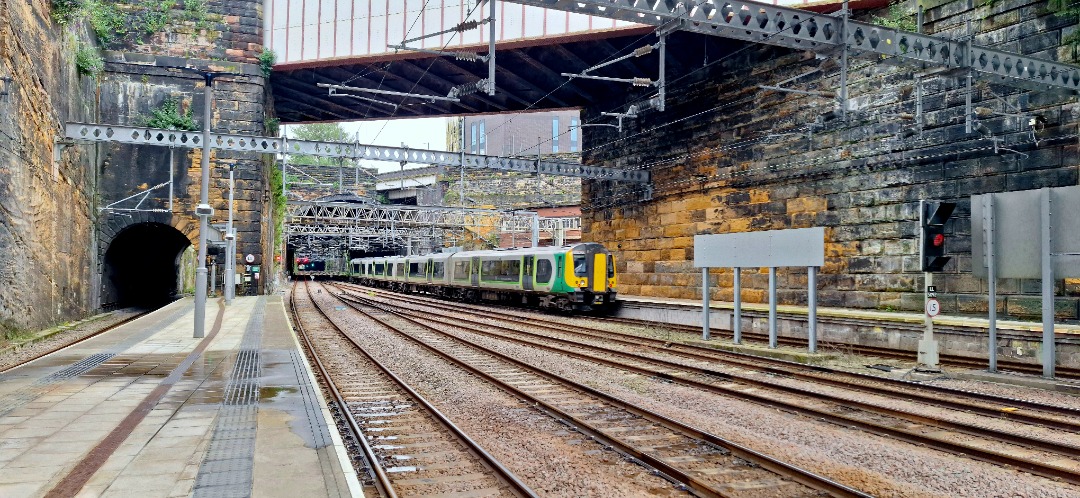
x: 417, y: 133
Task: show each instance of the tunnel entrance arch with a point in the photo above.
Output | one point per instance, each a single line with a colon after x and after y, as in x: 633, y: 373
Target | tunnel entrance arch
x: 142, y: 266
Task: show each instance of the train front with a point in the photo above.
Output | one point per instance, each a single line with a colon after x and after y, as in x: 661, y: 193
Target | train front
x: 591, y: 273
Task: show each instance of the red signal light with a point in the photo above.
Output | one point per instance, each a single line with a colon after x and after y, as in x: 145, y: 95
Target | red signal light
x: 939, y: 240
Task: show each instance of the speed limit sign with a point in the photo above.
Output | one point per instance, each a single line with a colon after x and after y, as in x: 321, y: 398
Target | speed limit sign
x: 933, y: 307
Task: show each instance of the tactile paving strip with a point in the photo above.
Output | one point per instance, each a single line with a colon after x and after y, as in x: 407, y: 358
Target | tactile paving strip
x: 227, y: 469
x: 43, y: 385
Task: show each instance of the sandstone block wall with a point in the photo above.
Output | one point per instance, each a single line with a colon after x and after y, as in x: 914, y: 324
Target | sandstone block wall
x: 728, y: 156
x: 47, y: 211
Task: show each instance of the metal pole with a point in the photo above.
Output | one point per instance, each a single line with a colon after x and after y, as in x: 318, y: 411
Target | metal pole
x: 213, y: 277
x: 662, y: 80
x: 172, y: 162
x: 1047, y: 289
x: 230, y: 245
x: 705, y: 304
x: 737, y: 325
x: 811, y: 319
x: 991, y: 275
x: 535, y: 230
x: 203, y: 211
x: 772, y: 307
x: 844, y: 62
x: 491, y: 50
x: 461, y: 186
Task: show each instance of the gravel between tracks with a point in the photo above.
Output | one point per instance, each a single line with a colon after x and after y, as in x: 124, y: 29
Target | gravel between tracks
x: 15, y: 356
x: 874, y: 464
x: 552, y: 459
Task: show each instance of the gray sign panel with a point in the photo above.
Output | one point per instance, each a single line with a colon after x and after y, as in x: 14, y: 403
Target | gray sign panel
x: 1018, y: 233
x: 797, y: 247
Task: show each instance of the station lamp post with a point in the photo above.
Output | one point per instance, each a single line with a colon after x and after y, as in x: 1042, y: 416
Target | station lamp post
x: 203, y: 210
x: 230, y: 245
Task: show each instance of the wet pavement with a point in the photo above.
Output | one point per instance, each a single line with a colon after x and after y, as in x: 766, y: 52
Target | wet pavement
x: 147, y: 410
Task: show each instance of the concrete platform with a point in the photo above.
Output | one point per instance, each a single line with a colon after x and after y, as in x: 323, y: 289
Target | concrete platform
x: 146, y: 410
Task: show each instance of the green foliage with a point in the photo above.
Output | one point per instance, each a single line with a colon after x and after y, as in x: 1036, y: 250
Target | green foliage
x: 898, y: 18
x: 1068, y: 9
x: 168, y: 116
x: 155, y: 16
x: 106, y: 19
x: 273, y: 126
x: 278, y: 207
x: 12, y: 331
x: 197, y: 12
x: 65, y: 11
x: 320, y: 132
x: 266, y: 61
x: 88, y: 61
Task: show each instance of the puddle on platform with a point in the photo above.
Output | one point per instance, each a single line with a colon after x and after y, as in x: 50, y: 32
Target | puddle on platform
x: 269, y: 393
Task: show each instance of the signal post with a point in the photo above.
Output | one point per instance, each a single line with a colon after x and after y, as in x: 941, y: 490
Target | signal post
x: 932, y: 218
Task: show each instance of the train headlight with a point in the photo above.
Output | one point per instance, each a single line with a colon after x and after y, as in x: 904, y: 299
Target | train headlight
x: 582, y: 283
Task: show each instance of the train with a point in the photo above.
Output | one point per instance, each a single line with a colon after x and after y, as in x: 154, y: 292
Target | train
x: 575, y: 278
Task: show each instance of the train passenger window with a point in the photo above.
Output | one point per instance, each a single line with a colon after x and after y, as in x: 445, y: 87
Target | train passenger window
x: 416, y: 269
x: 610, y: 266
x: 579, y: 265
x: 437, y: 269
x: 380, y: 268
x: 501, y: 270
x: 543, y: 271
x: 461, y: 270
x: 399, y: 269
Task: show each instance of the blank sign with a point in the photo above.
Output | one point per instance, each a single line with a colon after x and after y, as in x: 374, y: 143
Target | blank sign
x: 796, y: 247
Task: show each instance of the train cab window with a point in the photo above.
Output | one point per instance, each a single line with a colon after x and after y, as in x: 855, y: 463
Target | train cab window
x: 438, y: 269
x: 461, y: 270
x: 380, y: 268
x: 416, y: 269
x: 580, y: 268
x: 610, y: 266
x: 543, y: 271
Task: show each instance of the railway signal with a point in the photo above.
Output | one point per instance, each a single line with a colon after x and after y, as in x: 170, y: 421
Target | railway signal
x: 933, y: 216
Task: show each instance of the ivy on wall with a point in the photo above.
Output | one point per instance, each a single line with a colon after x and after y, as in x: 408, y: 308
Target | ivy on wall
x: 120, y: 23
x: 169, y: 116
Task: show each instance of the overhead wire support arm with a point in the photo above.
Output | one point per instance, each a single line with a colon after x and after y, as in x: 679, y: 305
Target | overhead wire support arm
x: 334, y: 93
x: 387, y: 92
x: 461, y: 56
x: 799, y: 29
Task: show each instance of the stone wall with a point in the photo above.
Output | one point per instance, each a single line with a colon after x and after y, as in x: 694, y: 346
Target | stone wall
x: 47, y: 244
x: 727, y: 156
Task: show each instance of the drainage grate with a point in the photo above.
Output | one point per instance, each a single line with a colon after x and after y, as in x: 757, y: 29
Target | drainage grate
x: 227, y: 468
x: 43, y: 385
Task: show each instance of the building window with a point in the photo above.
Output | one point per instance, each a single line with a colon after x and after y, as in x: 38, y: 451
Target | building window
x: 554, y: 134
x: 472, y: 148
x: 483, y: 140
x: 573, y: 134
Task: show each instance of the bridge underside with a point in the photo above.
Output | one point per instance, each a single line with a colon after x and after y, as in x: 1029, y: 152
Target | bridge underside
x: 528, y: 77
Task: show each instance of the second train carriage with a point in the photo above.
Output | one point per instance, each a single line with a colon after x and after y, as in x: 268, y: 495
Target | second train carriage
x: 579, y: 277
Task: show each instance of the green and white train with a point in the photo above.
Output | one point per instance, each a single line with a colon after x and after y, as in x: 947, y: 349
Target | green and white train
x: 580, y: 277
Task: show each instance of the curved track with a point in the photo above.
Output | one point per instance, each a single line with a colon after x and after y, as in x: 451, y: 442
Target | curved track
x: 717, y: 467
x: 420, y: 451
x: 980, y: 441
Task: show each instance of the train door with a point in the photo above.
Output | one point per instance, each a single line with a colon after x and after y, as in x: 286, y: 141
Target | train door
x: 475, y: 271
x: 527, y: 273
x: 599, y: 272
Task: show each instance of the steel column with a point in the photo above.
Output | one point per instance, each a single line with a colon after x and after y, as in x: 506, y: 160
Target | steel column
x: 705, y: 304
x: 772, y: 307
x: 737, y: 320
x: 203, y: 212
x: 1048, y: 353
x: 991, y: 271
x: 811, y: 318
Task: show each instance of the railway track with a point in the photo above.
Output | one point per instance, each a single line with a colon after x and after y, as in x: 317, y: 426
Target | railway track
x: 944, y: 359
x: 64, y: 344
x: 703, y: 463
x: 1050, y: 460
x: 410, y: 447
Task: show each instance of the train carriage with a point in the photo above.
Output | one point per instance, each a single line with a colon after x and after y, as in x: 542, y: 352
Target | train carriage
x: 579, y: 277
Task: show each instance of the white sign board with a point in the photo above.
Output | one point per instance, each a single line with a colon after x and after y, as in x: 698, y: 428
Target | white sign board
x: 795, y: 247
